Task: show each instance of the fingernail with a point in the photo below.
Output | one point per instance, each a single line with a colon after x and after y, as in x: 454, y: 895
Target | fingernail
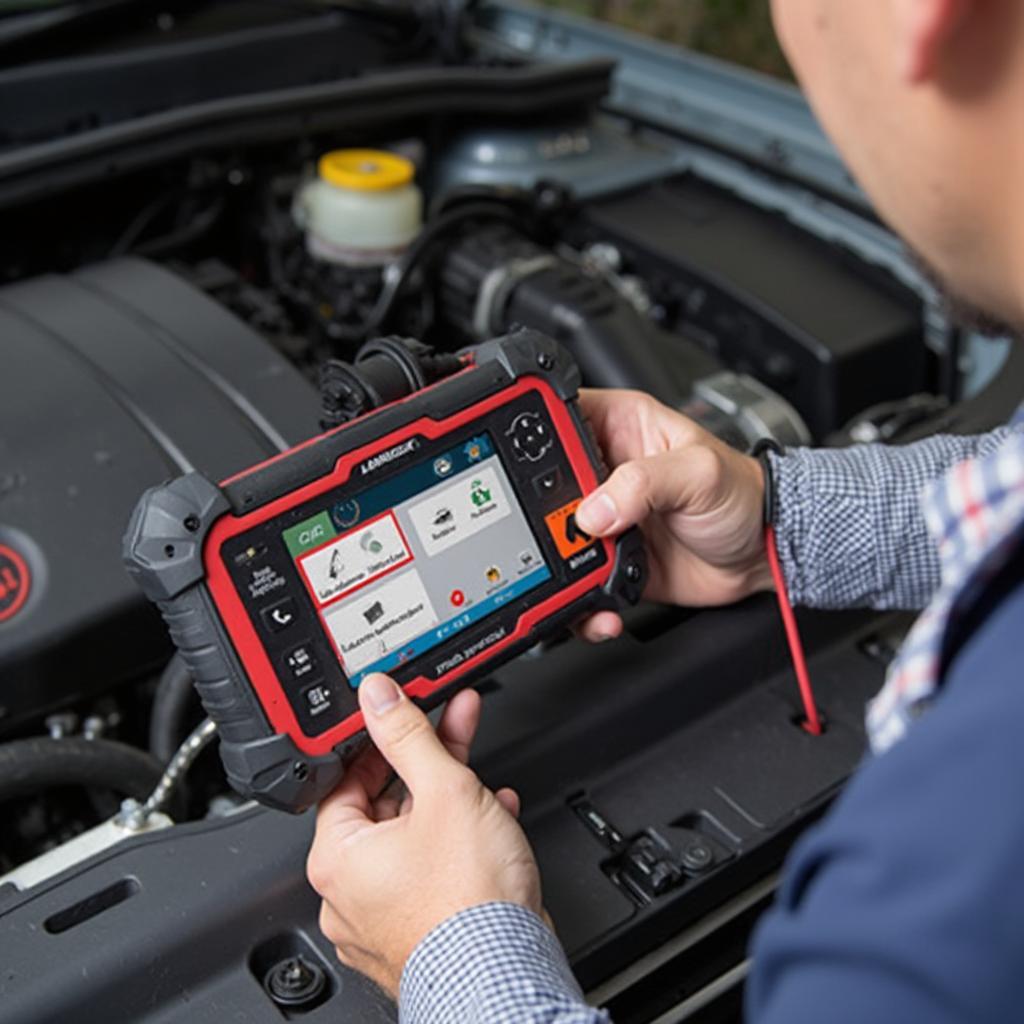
x: 380, y: 692
x: 597, y: 513
x: 603, y: 638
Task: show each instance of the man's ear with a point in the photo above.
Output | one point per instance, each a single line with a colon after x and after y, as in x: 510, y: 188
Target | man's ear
x: 923, y: 28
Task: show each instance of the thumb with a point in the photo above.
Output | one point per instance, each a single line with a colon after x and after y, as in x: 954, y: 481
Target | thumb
x: 685, y: 480
x: 402, y: 733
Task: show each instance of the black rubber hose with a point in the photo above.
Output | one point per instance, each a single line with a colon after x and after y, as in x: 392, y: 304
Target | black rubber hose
x: 398, y: 278
x: 32, y: 766
x: 168, y: 720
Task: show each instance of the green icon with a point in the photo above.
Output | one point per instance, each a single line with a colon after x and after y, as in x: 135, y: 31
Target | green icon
x: 369, y: 543
x: 309, y: 534
x: 479, y: 494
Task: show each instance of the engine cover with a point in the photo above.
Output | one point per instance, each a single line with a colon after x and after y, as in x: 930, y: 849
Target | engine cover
x: 114, y: 379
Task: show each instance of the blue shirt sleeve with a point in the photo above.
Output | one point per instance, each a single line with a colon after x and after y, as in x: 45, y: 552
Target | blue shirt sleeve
x: 907, y: 904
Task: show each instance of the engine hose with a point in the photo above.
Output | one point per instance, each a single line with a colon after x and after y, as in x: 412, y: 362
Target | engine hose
x: 168, y: 720
x: 31, y: 766
x: 398, y: 274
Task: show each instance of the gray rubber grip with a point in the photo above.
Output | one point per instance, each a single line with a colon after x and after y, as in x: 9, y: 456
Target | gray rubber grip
x: 163, y: 551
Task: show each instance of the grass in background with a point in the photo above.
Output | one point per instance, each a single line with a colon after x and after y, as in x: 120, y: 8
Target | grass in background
x: 736, y: 30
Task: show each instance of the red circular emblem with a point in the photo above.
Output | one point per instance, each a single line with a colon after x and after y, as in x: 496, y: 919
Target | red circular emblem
x: 15, y: 582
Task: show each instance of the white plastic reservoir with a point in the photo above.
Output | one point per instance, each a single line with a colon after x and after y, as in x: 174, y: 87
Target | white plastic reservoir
x: 362, y: 209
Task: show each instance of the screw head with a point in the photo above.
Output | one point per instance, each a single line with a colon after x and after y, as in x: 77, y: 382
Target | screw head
x: 697, y: 856
x: 545, y: 361
x: 300, y: 770
x: 633, y: 572
x: 295, y: 981
x: 192, y: 523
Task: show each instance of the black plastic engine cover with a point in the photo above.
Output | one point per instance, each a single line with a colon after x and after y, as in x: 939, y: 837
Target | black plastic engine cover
x: 767, y: 299
x: 113, y: 379
x: 686, y: 741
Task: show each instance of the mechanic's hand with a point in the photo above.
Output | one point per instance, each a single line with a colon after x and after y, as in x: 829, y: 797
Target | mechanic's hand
x: 698, y: 501
x: 391, y: 867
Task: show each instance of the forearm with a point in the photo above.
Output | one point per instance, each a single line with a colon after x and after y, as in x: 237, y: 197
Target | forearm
x: 849, y: 525
x: 496, y: 962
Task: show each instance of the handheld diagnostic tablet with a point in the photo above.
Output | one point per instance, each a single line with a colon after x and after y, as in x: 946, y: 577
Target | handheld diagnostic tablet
x: 430, y: 539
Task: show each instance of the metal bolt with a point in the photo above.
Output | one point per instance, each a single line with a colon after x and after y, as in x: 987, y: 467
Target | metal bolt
x: 60, y: 725
x: 94, y: 727
x: 192, y: 523
x: 295, y: 981
x: 633, y: 572
x: 132, y: 815
x: 604, y: 255
x: 697, y: 857
x: 545, y: 361
x: 300, y: 770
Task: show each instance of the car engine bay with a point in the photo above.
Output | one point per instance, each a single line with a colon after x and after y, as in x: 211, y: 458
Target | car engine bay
x: 172, y: 297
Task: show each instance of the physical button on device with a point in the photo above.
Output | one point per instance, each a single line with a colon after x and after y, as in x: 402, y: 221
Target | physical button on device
x: 573, y: 533
x: 300, y: 661
x: 279, y: 615
x: 548, y: 482
x: 317, y: 698
x: 531, y: 437
x: 568, y: 537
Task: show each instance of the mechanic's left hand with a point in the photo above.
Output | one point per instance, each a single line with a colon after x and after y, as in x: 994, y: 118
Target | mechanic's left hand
x: 391, y: 868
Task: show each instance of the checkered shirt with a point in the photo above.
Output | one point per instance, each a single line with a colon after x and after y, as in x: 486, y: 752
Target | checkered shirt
x: 876, y: 526
x: 975, y: 515
x: 497, y: 963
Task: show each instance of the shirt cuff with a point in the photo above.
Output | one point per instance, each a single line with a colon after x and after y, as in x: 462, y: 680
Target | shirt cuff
x: 496, y: 961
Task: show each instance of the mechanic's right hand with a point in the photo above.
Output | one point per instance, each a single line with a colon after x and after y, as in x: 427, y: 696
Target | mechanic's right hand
x: 698, y: 502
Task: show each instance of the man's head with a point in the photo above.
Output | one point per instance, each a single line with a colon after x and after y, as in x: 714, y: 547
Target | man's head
x: 925, y: 100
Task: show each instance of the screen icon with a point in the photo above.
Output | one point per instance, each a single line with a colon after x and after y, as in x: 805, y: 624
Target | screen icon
x: 479, y: 494
x: 457, y: 598
x: 493, y: 575
x: 346, y: 513
x: 336, y: 566
x: 370, y: 544
x: 443, y: 466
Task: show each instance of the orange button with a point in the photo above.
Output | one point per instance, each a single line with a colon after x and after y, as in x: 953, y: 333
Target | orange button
x: 568, y: 537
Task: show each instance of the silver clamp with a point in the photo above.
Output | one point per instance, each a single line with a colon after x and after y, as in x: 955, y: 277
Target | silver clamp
x: 498, y: 286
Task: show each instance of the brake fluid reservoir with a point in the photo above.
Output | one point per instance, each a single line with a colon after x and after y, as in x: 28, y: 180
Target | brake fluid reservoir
x: 362, y: 209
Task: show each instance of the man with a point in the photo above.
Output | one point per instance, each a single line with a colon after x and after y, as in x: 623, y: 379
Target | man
x: 907, y: 903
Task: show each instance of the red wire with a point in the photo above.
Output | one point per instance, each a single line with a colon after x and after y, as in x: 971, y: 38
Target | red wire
x: 812, y: 721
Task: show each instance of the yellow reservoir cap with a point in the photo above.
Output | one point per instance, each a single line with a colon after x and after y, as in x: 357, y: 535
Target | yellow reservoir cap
x: 365, y: 170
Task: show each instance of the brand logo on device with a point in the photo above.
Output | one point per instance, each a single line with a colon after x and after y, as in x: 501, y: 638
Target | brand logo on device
x: 375, y: 462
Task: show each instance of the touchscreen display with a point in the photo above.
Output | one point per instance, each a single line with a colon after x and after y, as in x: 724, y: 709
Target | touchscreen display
x: 409, y: 563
